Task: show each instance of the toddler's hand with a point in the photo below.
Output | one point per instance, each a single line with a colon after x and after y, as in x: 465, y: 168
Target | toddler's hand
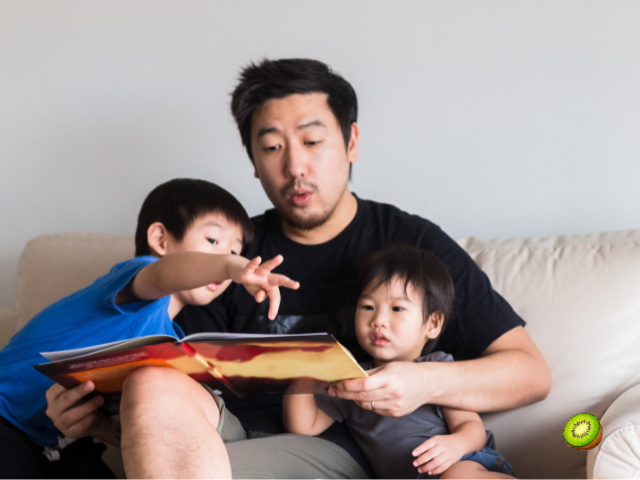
x: 437, y: 454
x: 260, y: 282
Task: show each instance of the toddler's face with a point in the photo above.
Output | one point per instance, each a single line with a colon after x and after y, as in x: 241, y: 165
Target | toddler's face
x: 210, y: 233
x: 389, y: 323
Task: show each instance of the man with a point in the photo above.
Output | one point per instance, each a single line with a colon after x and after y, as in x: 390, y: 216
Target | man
x: 297, y: 120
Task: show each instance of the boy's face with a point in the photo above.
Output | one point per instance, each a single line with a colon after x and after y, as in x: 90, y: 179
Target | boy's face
x: 390, y: 325
x: 210, y: 233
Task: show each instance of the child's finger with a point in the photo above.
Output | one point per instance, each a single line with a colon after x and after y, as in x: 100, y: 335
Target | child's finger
x: 426, y: 457
x: 442, y: 468
x: 433, y: 464
x: 269, y: 265
x: 423, y: 447
x: 260, y: 296
x: 274, y: 304
x: 282, y: 281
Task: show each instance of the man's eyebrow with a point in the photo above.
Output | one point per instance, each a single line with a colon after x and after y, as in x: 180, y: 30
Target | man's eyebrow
x: 312, y: 123
x: 266, y: 130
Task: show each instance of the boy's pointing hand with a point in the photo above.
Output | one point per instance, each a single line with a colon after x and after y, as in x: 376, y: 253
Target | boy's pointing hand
x: 260, y: 282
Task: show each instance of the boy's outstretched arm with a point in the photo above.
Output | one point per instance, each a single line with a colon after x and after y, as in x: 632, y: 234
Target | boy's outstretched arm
x: 300, y: 414
x: 181, y: 271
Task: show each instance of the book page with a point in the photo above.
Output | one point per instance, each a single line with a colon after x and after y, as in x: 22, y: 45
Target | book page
x: 107, y: 347
x: 279, y: 363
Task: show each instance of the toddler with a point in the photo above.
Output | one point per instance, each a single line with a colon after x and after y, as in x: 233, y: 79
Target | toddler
x: 406, y: 297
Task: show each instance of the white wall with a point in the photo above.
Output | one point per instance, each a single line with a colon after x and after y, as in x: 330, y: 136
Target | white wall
x: 493, y: 119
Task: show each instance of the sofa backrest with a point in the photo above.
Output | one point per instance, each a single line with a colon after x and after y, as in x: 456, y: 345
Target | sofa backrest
x: 54, y: 266
x: 580, y: 296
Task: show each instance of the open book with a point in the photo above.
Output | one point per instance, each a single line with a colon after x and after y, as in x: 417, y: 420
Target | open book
x: 238, y: 363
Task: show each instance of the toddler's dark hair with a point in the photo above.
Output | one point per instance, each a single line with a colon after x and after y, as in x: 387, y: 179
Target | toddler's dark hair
x: 412, y: 265
x: 178, y: 202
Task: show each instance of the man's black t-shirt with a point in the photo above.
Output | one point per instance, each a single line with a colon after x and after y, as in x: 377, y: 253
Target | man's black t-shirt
x: 326, y: 299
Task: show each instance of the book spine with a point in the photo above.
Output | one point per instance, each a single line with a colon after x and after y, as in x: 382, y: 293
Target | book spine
x: 212, y: 370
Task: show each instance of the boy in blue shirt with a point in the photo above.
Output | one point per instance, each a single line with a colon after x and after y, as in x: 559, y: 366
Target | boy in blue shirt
x: 188, y: 241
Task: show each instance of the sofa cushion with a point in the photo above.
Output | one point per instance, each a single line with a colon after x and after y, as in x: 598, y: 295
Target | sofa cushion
x: 54, y: 266
x: 580, y: 298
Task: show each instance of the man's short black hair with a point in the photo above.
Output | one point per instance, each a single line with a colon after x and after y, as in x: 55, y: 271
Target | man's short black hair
x: 281, y: 78
x: 177, y: 203
x: 411, y: 265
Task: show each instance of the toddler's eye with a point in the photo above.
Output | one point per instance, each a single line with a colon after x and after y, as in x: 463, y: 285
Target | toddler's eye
x: 233, y: 252
x: 212, y: 241
x: 367, y: 307
x: 397, y: 309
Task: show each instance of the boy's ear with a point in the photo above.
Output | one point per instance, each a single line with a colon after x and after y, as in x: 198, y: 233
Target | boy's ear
x: 157, y: 238
x: 434, y: 324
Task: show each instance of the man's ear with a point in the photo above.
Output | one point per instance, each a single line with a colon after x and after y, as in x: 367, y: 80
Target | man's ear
x: 158, y: 238
x: 434, y: 325
x: 255, y: 173
x: 352, y: 148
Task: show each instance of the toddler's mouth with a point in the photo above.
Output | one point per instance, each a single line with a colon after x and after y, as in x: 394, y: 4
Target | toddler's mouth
x: 379, y: 340
x: 213, y: 286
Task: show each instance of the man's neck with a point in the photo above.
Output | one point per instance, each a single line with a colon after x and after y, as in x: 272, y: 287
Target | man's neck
x: 340, y: 219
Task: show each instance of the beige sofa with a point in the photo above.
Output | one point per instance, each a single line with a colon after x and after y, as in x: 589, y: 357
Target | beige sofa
x: 579, y: 294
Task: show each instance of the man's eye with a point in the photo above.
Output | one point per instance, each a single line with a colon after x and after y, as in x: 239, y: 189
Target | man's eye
x: 397, y: 309
x: 212, y: 241
x: 273, y: 148
x: 314, y: 142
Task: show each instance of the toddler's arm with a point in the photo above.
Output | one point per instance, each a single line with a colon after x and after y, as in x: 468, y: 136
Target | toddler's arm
x: 188, y: 270
x: 438, y: 453
x: 300, y: 414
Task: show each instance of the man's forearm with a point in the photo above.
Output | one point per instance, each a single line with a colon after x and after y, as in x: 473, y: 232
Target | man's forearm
x: 500, y: 381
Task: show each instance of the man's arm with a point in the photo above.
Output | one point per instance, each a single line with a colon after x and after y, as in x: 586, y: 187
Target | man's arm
x: 511, y: 372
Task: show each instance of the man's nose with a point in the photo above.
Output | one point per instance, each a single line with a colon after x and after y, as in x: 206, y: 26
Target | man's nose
x: 295, y: 163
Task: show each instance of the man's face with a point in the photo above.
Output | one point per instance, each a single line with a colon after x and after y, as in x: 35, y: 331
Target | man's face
x: 300, y: 157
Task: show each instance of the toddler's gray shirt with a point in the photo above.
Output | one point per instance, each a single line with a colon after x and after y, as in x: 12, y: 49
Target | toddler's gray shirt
x: 388, y: 442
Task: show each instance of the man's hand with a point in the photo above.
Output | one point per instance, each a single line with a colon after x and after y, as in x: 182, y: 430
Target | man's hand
x: 393, y: 388
x: 77, y: 419
x: 437, y: 454
x: 260, y: 282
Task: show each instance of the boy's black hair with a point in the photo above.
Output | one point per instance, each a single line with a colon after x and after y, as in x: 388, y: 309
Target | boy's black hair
x: 281, y: 78
x: 416, y: 266
x: 178, y: 202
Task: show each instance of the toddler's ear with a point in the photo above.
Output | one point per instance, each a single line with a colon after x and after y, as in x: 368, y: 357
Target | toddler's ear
x: 157, y: 238
x: 434, y: 324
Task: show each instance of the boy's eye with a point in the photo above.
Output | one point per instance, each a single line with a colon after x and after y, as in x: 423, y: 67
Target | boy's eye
x: 397, y: 309
x: 212, y: 241
x: 273, y: 148
x: 313, y: 142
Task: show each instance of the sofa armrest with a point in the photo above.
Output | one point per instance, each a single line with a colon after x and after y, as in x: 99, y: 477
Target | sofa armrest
x: 618, y: 454
x: 7, y: 325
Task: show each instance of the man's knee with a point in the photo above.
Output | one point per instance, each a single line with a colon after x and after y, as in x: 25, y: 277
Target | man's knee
x: 164, y: 393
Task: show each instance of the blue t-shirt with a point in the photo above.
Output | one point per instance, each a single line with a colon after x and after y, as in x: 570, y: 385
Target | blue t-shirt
x: 88, y: 317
